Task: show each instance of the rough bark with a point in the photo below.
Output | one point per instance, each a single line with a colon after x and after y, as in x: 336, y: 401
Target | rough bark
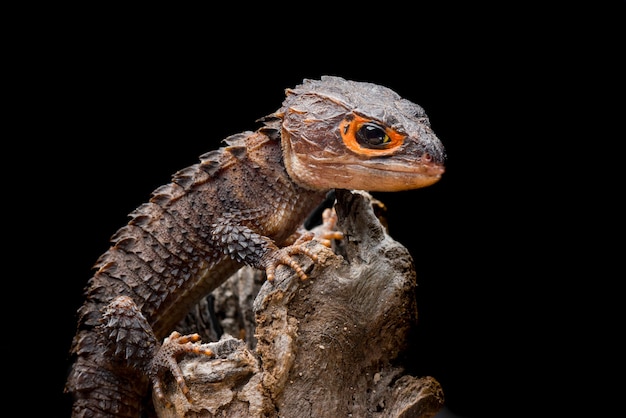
x: 329, y: 346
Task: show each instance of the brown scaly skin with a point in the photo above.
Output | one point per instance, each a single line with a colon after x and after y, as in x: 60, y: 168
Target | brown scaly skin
x: 240, y: 205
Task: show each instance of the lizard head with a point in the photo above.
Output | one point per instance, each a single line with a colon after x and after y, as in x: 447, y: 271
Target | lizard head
x: 344, y: 134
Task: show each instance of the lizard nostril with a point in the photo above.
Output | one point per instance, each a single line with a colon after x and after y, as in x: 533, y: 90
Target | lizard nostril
x: 427, y: 157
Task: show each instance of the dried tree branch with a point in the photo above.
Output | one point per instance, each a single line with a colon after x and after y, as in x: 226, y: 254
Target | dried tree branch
x: 325, y: 347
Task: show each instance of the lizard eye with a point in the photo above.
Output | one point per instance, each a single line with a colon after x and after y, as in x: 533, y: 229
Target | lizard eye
x: 368, y: 137
x: 371, y: 135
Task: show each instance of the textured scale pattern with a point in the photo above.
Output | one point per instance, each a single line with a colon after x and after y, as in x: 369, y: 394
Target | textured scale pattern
x: 241, y: 204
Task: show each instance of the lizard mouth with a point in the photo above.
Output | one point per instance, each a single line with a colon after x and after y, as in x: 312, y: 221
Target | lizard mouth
x: 426, y: 166
x: 376, y: 175
x: 394, y: 177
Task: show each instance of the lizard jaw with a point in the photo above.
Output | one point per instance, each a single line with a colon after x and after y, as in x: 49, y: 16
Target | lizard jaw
x: 370, y: 175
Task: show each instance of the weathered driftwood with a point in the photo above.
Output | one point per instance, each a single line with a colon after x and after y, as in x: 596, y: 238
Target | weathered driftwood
x: 325, y: 347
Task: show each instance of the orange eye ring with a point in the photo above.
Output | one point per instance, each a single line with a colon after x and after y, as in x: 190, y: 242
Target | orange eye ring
x: 368, y: 137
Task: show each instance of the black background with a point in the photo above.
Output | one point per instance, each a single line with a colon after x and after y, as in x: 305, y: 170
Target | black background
x: 120, y: 100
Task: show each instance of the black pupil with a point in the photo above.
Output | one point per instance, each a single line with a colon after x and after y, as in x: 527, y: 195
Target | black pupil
x: 371, y: 135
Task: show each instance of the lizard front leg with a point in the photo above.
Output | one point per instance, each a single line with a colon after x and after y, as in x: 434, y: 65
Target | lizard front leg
x: 251, y: 248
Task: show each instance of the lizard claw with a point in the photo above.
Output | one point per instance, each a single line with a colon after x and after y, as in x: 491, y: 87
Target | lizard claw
x: 165, y: 359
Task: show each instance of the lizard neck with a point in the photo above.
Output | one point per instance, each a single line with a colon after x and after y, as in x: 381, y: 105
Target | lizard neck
x: 291, y: 202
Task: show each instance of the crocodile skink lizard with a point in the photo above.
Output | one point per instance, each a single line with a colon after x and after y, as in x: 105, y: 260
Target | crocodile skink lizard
x: 240, y: 205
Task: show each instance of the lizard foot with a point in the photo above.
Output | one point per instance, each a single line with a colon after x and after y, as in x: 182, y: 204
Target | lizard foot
x: 165, y: 359
x: 283, y: 257
x: 324, y: 233
x: 327, y: 232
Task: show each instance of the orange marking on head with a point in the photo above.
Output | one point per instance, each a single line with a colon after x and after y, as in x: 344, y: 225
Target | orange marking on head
x: 349, y: 129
